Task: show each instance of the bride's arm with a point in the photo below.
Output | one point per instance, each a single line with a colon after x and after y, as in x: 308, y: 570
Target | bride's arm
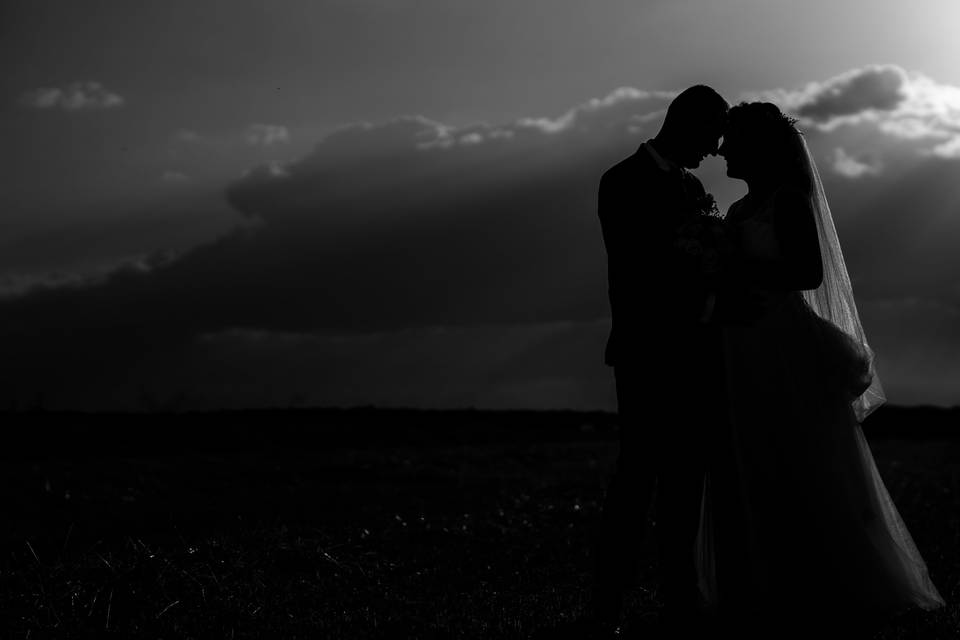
x: 799, y: 267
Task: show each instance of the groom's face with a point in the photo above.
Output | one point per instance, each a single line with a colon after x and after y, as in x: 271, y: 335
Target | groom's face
x: 704, y: 140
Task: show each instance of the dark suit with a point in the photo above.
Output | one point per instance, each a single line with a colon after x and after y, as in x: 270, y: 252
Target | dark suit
x: 668, y: 368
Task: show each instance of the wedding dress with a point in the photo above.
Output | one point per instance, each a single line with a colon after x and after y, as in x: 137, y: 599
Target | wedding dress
x: 797, y: 518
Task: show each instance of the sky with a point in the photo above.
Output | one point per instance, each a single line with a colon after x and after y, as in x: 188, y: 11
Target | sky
x: 214, y: 204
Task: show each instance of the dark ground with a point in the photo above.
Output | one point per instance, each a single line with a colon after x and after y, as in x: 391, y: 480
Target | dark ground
x: 356, y: 524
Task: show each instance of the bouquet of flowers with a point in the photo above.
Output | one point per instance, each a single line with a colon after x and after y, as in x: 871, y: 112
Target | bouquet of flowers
x: 705, y: 239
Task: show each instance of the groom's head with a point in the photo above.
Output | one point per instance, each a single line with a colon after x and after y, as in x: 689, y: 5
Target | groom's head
x: 693, y: 125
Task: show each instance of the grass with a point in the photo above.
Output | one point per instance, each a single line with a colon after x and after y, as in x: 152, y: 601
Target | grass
x: 371, y: 538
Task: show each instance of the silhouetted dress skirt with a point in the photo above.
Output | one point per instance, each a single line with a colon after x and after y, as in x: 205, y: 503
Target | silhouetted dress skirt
x: 797, y: 519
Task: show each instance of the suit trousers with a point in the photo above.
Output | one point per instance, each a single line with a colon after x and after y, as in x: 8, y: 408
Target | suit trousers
x: 669, y: 417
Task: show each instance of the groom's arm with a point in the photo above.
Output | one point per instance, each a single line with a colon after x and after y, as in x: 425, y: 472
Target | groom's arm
x: 647, y: 274
x: 624, y: 202
x: 633, y: 213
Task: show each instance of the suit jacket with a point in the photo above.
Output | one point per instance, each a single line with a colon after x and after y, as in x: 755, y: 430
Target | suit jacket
x: 657, y: 296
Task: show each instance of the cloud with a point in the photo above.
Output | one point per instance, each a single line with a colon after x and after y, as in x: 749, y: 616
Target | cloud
x: 598, y: 111
x: 186, y: 135
x: 409, y: 261
x: 174, y: 177
x: 360, y: 140
x: 948, y: 149
x: 624, y: 109
x: 906, y: 106
x: 369, y: 232
x: 72, y: 97
x: 483, y: 366
x: 872, y: 88
x: 266, y: 134
x: 17, y: 285
x: 847, y: 165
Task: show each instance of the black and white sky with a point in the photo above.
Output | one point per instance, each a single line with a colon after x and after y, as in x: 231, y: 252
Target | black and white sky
x: 212, y: 204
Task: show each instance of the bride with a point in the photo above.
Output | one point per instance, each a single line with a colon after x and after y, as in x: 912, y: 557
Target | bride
x: 798, y: 526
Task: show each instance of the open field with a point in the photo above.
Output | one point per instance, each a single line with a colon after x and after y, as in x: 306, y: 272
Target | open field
x: 336, y: 525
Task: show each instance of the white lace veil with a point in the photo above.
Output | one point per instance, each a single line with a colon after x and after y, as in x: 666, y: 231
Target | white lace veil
x: 833, y: 299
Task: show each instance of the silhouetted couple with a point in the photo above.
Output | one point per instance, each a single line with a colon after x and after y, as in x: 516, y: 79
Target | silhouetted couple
x: 742, y: 375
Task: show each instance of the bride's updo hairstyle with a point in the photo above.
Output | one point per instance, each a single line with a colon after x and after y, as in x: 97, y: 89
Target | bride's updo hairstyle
x: 771, y: 138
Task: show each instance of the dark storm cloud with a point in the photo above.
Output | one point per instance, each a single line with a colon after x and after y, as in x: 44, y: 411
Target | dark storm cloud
x: 897, y: 226
x: 97, y: 237
x: 405, y: 224
x: 874, y: 87
x: 899, y: 229
x: 405, y: 258
x: 549, y: 365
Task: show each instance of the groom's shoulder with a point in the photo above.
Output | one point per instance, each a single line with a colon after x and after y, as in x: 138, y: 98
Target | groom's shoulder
x: 629, y: 170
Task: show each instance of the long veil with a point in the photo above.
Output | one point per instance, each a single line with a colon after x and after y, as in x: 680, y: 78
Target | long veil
x: 833, y: 299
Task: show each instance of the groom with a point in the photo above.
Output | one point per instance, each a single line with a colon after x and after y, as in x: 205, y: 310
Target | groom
x: 667, y: 359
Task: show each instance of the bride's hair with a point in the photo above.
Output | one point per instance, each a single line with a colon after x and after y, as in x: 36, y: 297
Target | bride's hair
x: 770, y: 134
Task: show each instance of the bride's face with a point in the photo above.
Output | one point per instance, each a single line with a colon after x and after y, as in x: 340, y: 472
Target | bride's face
x: 734, y: 152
